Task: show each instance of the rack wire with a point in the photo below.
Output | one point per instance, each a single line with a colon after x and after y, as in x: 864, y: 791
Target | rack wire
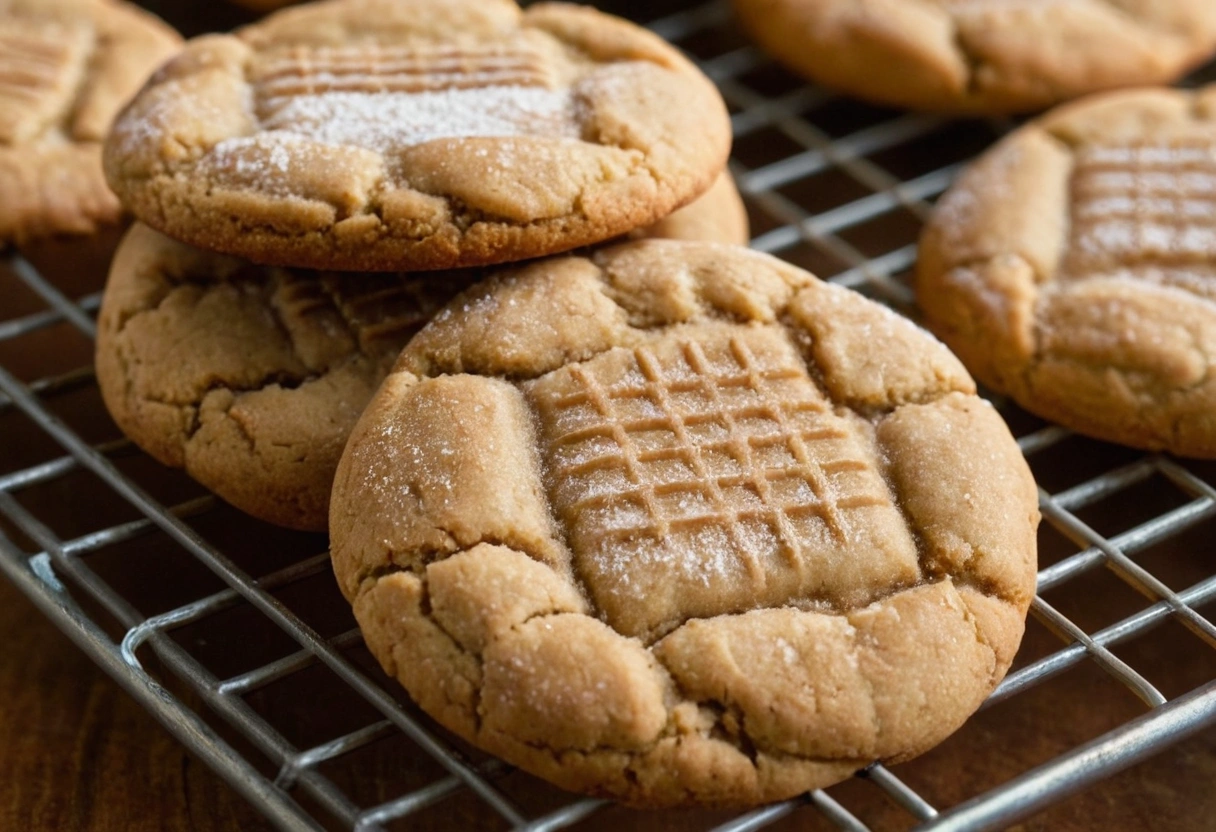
x: 243, y: 618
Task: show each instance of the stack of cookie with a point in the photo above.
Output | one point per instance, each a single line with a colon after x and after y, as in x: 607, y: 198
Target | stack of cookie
x: 370, y: 136
x: 672, y: 522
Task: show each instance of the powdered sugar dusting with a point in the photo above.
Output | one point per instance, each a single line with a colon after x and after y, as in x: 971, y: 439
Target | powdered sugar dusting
x: 391, y: 121
x: 277, y: 162
x: 706, y: 476
x: 255, y: 155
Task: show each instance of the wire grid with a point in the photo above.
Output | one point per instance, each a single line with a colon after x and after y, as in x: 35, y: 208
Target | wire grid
x: 834, y: 186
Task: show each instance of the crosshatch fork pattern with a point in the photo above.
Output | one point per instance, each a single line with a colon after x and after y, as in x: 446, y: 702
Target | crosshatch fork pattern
x: 380, y: 309
x: 865, y: 154
x: 376, y: 69
x: 720, y: 446
x: 40, y: 71
x: 1150, y: 209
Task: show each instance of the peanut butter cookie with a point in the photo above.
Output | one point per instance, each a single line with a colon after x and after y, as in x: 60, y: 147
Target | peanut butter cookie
x: 983, y: 56
x: 251, y: 377
x: 66, y: 68
x: 677, y: 523
x: 718, y: 216
x: 407, y: 134
x: 1073, y: 267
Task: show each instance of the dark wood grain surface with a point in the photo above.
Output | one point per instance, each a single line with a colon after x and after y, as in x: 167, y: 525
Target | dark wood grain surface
x: 77, y: 753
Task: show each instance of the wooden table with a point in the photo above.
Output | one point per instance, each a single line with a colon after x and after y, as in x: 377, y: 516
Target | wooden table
x: 79, y: 754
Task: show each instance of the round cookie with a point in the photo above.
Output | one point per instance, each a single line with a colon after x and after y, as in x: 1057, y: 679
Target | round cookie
x: 1073, y: 267
x: 678, y: 523
x: 252, y: 377
x: 66, y: 68
x: 983, y: 56
x: 379, y: 135
x: 718, y: 216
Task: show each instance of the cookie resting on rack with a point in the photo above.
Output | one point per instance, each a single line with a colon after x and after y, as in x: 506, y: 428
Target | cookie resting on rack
x: 251, y: 377
x: 677, y: 523
x: 983, y: 56
x: 66, y: 68
x: 382, y: 135
x: 1073, y: 267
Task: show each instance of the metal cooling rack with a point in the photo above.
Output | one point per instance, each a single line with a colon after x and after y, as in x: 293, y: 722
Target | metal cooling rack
x: 832, y: 185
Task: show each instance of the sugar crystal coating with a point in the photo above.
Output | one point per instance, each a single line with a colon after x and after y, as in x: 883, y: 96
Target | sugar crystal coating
x: 711, y: 460
x: 381, y: 135
x: 1072, y: 267
x: 1146, y: 211
x: 678, y: 524
x: 389, y: 97
x: 391, y: 121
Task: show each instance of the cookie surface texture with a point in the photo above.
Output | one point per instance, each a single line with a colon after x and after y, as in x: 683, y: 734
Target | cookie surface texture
x: 252, y: 377
x: 66, y: 68
x: 717, y: 216
x: 376, y: 135
x: 983, y: 56
x: 681, y: 524
x: 1073, y: 267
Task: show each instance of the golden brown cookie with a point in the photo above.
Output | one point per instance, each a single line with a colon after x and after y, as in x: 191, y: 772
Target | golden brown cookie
x: 678, y: 523
x: 718, y: 216
x: 1074, y: 268
x: 252, y: 377
x: 983, y: 56
x: 66, y: 67
x: 409, y: 134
